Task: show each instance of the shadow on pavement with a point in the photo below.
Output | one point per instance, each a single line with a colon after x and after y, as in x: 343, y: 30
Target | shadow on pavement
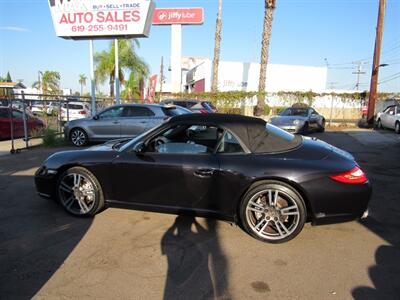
x: 378, y: 153
x: 197, y: 267
x: 36, y: 235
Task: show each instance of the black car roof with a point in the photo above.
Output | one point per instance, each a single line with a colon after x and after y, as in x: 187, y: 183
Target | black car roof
x: 251, y: 131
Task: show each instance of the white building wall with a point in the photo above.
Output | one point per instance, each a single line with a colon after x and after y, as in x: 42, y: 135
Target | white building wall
x: 238, y: 76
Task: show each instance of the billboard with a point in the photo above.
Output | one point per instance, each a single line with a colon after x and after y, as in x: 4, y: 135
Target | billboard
x: 169, y: 16
x: 91, y: 19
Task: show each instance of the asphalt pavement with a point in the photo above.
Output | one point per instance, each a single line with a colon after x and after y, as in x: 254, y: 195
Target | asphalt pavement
x: 126, y: 254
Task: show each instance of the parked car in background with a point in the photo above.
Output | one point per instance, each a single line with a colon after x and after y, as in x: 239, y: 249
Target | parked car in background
x: 299, y: 120
x: 52, y: 108
x: 389, y: 118
x: 74, y: 111
x: 37, y: 107
x: 196, y: 106
x: 229, y: 167
x: 120, y: 121
x: 33, y: 123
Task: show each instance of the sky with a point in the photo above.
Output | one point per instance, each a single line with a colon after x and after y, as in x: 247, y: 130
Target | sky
x: 305, y: 32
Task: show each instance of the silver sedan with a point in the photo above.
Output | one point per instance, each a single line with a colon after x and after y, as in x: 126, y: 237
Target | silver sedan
x: 119, y: 121
x: 299, y: 120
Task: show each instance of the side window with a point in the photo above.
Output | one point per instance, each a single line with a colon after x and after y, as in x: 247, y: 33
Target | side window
x: 17, y: 114
x: 229, y: 144
x: 115, y: 112
x: 137, y: 111
x: 186, y: 139
x: 4, y: 113
x: 391, y: 110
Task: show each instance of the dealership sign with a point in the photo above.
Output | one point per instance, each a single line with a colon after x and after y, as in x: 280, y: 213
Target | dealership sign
x: 182, y: 16
x: 88, y: 19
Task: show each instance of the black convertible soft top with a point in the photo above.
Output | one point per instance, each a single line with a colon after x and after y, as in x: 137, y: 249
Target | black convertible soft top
x: 251, y: 131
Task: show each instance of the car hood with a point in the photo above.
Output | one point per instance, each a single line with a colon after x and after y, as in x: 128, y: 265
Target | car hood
x: 283, y: 120
x: 112, y: 145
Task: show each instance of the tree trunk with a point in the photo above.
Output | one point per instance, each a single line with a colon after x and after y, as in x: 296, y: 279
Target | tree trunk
x: 266, y: 35
x: 217, y: 48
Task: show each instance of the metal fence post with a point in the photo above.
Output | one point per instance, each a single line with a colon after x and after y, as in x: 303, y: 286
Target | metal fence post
x: 24, y: 119
x: 10, y: 114
x: 67, y: 110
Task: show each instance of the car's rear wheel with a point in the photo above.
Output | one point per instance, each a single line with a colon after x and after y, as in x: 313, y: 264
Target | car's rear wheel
x: 273, y: 212
x: 397, y: 127
x: 80, y: 192
x: 79, y: 137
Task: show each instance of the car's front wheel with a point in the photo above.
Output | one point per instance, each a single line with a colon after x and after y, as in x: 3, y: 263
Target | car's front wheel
x: 322, y: 126
x: 379, y: 125
x: 79, y: 137
x: 273, y: 212
x: 397, y: 127
x: 80, y: 192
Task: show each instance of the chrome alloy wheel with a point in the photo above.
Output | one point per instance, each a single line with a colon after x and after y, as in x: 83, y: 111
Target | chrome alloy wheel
x: 272, y: 214
x: 78, y: 137
x: 77, y: 193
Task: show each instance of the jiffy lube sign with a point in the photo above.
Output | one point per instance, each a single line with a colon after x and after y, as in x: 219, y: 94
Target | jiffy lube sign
x: 83, y: 19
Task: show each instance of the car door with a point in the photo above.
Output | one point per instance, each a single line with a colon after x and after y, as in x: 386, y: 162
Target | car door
x: 107, y: 124
x: 136, y: 120
x: 18, y: 123
x: 391, y: 117
x: 179, y: 174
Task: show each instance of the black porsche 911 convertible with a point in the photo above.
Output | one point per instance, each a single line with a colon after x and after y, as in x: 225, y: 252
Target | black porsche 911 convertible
x: 229, y: 167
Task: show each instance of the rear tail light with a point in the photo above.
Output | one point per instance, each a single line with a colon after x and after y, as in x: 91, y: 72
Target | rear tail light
x: 354, y: 176
x: 82, y: 112
x: 203, y: 111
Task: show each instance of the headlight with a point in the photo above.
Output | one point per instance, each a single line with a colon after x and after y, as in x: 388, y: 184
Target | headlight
x: 298, y: 122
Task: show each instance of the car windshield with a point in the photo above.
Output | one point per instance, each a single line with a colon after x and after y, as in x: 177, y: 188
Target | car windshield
x: 73, y: 106
x: 175, y: 111
x: 295, y: 112
x: 136, y: 139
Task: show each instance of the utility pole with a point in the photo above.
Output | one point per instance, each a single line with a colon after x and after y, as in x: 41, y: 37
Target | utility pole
x: 375, y: 64
x: 161, y: 75
x: 359, y: 72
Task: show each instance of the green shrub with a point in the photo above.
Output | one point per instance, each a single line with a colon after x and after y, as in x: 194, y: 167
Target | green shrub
x: 51, y: 138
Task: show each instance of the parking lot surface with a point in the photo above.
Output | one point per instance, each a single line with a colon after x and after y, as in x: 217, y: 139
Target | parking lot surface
x: 126, y: 254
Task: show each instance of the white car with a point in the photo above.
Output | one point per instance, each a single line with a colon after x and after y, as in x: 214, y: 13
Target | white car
x: 389, y: 118
x: 75, y: 111
x: 37, y: 107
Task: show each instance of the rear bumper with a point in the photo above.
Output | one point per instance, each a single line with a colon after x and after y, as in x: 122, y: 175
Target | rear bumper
x: 334, y: 202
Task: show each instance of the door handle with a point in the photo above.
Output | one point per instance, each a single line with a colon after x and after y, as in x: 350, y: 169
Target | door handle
x: 115, y: 122
x: 143, y: 122
x: 203, y: 173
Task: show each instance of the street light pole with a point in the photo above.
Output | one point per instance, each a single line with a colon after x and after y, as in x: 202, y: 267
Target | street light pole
x: 375, y: 66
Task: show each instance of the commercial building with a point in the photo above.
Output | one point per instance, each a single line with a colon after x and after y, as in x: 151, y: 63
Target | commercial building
x: 239, y: 76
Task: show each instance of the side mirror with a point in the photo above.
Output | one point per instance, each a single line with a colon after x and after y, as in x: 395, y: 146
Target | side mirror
x: 95, y: 117
x: 139, y: 148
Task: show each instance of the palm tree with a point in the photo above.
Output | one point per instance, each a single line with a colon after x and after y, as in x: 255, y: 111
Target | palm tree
x: 82, y: 81
x: 266, y: 35
x: 131, y: 90
x: 50, y: 83
x: 128, y: 61
x: 217, y: 48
